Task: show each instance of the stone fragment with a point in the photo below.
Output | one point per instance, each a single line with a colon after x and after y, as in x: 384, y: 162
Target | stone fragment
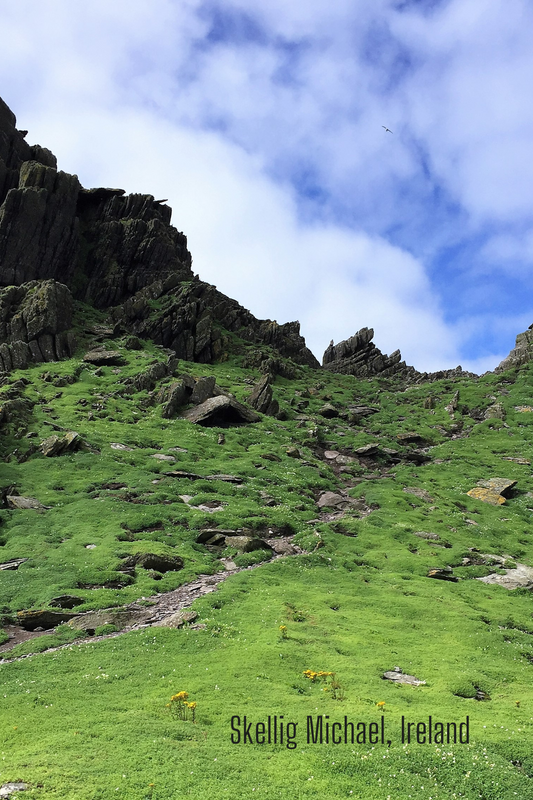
x: 119, y: 446
x: 14, y: 501
x: 443, y: 574
x: 162, y: 457
x: 203, y: 390
x: 176, y: 620
x: 397, y: 676
x: 331, y: 454
x: 7, y: 789
x: 332, y: 500
x: 519, y: 578
x: 293, y: 452
x: 247, y: 544
x: 423, y: 535
x: 221, y: 411
x: 271, y: 457
x: 101, y: 357
x: 58, y: 445
x: 159, y: 563
x: 262, y: 398
x: 517, y: 460
x: 111, y: 616
x: 411, y: 437
x: 14, y: 564
x: 367, y: 450
x: 495, y: 411
x: 501, y: 485
x: 417, y: 492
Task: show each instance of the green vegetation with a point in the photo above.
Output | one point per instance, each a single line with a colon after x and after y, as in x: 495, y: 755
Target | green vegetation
x: 356, y: 604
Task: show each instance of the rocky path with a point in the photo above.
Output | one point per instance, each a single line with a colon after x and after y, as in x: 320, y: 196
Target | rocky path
x: 163, y: 607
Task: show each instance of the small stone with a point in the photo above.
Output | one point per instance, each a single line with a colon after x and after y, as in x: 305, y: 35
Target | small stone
x: 293, y: 452
x: 331, y: 454
x: 118, y: 446
x: 162, y: 457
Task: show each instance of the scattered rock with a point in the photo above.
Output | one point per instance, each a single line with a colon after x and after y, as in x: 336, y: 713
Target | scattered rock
x: 14, y: 564
x: 14, y: 501
x: 271, y: 457
x: 246, y: 544
x: 367, y: 450
x: 119, y: 446
x: 203, y: 390
x: 111, y: 616
x: 524, y: 461
x: 493, y: 491
x: 293, y: 452
x: 443, y: 574
x: 495, y: 411
x: 159, y: 563
x: 331, y: 454
x: 161, y: 457
x: 411, y: 437
x: 58, y: 445
x: 421, y: 493
x: 397, y: 676
x: 221, y: 411
x: 423, y: 535
x: 176, y: 620
x: 43, y: 618
x: 8, y: 788
x: 262, y: 398
x: 101, y: 357
x: 519, y: 578
x: 332, y: 500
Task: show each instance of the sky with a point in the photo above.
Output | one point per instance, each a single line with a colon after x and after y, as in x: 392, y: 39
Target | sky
x: 263, y: 123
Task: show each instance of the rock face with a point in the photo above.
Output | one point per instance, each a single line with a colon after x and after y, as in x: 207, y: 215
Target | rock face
x: 521, y: 354
x: 60, y: 242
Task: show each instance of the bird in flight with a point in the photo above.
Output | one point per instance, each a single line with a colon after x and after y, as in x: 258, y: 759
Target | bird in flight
x: 387, y: 130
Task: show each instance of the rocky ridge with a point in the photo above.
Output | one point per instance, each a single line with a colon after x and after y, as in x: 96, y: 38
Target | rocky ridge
x: 61, y: 243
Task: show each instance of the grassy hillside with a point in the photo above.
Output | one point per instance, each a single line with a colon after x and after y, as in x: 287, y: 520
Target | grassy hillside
x: 91, y: 719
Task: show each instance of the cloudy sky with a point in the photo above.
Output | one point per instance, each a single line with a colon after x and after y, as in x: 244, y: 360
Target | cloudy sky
x: 262, y: 122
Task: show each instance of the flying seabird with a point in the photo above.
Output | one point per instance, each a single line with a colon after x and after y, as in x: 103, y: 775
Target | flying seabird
x: 387, y: 130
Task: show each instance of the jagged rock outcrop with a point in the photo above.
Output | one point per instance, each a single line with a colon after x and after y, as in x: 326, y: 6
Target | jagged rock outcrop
x: 359, y: 356
x: 110, y: 250
x: 521, y: 354
x: 190, y: 318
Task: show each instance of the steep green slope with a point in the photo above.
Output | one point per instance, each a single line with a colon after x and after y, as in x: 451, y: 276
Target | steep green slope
x: 358, y: 602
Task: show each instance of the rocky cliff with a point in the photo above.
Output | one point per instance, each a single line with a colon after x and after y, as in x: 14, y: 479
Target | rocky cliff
x: 61, y: 243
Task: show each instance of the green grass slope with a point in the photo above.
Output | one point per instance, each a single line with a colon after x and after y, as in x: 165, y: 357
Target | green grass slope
x: 91, y: 719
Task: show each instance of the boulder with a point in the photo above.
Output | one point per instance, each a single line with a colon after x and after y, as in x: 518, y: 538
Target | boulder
x: 246, y: 544
x: 176, y: 620
x: 220, y: 411
x: 43, y: 618
x: 14, y: 501
x: 58, y: 445
x: 262, y: 398
x: 159, y: 563
x: 203, y: 390
x: 111, y: 616
x: 519, y: 578
x: 14, y: 564
x: 101, y: 357
x: 397, y: 676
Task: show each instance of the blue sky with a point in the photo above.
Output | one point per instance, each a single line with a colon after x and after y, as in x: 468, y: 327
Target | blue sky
x: 262, y: 124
